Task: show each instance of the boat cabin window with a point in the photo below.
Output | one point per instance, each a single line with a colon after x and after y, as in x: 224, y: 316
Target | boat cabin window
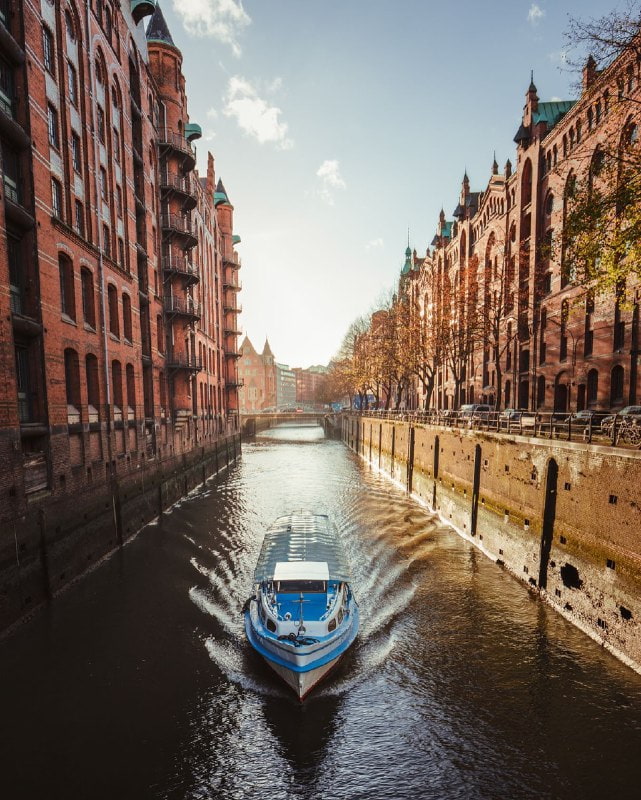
x: 298, y: 586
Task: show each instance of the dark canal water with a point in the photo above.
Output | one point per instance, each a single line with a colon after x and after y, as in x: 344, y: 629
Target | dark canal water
x: 138, y: 682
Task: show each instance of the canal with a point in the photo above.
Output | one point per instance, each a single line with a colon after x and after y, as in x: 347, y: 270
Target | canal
x: 137, y: 682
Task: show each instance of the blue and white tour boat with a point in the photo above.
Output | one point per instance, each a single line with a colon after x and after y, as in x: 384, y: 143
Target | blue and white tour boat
x: 302, y: 616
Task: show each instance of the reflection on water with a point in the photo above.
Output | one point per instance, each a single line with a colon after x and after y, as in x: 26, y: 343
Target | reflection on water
x: 139, y: 683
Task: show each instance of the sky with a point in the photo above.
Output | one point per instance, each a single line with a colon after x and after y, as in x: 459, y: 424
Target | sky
x: 340, y: 125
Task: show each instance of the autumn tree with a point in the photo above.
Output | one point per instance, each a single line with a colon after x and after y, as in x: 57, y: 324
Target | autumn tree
x: 601, y: 246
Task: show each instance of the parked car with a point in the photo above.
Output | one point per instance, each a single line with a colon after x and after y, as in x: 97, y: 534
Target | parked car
x: 579, y: 420
x: 517, y: 419
x: 475, y: 412
x: 628, y: 411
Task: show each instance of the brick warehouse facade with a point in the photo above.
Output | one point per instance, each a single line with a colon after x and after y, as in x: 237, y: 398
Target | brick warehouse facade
x: 498, y: 270
x: 118, y: 269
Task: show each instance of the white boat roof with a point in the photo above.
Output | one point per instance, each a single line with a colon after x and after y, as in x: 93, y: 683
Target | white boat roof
x: 301, y: 537
x: 301, y: 570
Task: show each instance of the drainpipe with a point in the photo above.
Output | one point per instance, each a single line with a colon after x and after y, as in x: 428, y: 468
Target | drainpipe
x: 101, y: 274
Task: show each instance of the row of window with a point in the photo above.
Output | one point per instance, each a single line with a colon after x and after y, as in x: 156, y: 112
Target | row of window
x: 92, y: 378
x: 68, y: 300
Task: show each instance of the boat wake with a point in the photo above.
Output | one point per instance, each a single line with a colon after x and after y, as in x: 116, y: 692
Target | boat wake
x: 231, y: 622
x: 231, y: 663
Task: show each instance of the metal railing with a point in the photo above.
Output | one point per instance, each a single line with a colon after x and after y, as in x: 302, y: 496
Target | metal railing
x: 180, y: 265
x: 181, y: 305
x: 614, y: 430
x: 177, y: 141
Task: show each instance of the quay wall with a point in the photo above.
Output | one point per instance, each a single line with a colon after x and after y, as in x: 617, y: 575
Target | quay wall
x: 563, y: 517
x: 59, y: 539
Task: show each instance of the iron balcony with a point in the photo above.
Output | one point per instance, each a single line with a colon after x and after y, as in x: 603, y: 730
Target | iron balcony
x: 179, y: 227
x: 181, y: 267
x: 167, y: 140
x: 180, y: 306
x: 183, y: 361
x: 172, y: 182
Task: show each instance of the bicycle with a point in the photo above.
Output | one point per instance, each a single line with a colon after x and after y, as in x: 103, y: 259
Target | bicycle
x: 629, y: 432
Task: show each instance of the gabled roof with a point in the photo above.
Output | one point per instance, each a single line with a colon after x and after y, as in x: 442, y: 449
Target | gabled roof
x: 157, y: 30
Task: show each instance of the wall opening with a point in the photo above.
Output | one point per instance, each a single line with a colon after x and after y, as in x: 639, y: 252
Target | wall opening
x: 570, y: 577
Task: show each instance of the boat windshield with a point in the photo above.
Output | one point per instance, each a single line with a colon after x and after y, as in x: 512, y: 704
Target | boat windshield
x: 300, y: 585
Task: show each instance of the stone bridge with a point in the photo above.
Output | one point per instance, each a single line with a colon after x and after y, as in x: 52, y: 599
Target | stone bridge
x: 251, y: 424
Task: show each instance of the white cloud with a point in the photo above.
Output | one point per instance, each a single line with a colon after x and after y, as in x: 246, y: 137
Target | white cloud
x: 254, y: 115
x: 221, y: 19
x: 374, y: 244
x: 331, y: 180
x: 535, y: 14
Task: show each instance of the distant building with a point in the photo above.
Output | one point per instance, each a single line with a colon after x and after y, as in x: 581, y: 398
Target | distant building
x: 285, y: 386
x: 257, y: 375
x: 307, y: 383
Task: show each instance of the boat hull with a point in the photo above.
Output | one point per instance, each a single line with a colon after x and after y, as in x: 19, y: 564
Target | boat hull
x: 302, y: 683
x: 303, y: 667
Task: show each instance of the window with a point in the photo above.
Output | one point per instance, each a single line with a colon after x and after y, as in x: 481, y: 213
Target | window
x: 100, y: 122
x: 119, y: 201
x: 88, y: 304
x: 597, y: 112
x: 116, y: 145
x: 126, y: 318
x: 103, y: 183
x: 93, y: 382
x: 112, y: 302
x: 76, y: 153
x: 52, y: 127
x: 48, y: 51
x: 106, y: 241
x: 131, y: 387
x: 121, y: 254
x: 71, y: 32
x: 616, y: 385
x: 24, y: 381
x: 56, y: 198
x: 79, y: 218
x: 67, y: 291
x: 72, y: 378
x: 72, y: 84
x: 116, y: 382
x: 590, y: 119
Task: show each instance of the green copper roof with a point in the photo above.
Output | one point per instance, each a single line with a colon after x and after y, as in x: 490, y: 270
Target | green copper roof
x: 193, y: 131
x: 235, y: 239
x: 220, y: 195
x: 551, y: 112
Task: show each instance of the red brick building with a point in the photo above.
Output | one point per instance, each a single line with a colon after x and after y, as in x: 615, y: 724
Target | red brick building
x: 307, y: 383
x: 257, y: 376
x: 528, y: 335
x: 118, y: 274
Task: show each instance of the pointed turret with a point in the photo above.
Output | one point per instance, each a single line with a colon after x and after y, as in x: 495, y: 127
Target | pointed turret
x: 589, y: 73
x: 508, y: 168
x: 220, y: 195
x: 407, y: 266
x: 495, y: 166
x: 267, y: 351
x: 157, y: 30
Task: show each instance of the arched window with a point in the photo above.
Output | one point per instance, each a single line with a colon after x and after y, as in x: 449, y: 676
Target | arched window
x: 69, y: 26
x: 67, y: 289
x: 526, y: 183
x: 593, y: 387
x: 616, y: 385
x: 93, y: 383
x: 88, y: 303
x: 131, y: 389
x: 72, y: 378
x: 116, y: 384
x: 540, y: 391
x: 112, y: 301
x: 126, y: 317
